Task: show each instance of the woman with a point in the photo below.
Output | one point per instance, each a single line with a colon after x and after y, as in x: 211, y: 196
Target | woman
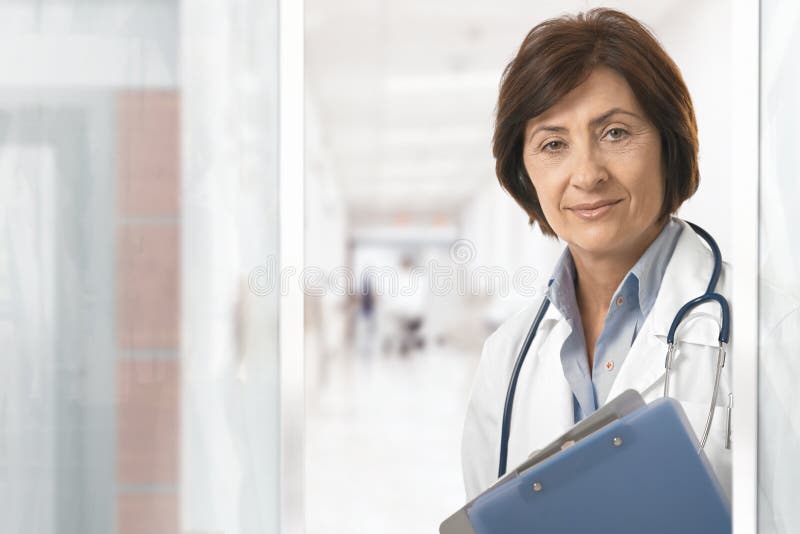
x: 596, y: 140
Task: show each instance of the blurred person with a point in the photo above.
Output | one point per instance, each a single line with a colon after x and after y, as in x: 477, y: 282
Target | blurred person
x: 406, y: 308
x: 366, y: 318
x: 596, y: 139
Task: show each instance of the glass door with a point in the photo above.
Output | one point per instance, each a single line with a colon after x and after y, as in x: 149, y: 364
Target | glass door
x: 139, y: 198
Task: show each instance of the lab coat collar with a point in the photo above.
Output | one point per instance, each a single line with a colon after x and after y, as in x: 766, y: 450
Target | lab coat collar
x: 685, y: 278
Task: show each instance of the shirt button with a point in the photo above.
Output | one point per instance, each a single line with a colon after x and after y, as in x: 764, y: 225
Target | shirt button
x: 610, y: 365
x: 620, y: 300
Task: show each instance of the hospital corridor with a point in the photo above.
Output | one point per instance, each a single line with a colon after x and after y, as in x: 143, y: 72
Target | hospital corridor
x: 365, y: 423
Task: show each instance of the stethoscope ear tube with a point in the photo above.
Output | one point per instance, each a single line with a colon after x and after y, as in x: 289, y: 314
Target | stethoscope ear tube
x: 724, y: 330
x: 712, y: 282
x: 721, y: 355
x: 724, y: 333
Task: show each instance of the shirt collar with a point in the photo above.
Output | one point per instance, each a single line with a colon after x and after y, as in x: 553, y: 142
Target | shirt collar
x: 649, y: 269
x: 561, y: 287
x: 644, y: 278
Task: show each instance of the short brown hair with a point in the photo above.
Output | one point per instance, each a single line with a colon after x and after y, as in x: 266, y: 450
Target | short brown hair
x: 557, y: 56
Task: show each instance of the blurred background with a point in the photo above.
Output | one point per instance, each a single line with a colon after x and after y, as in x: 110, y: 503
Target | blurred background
x: 139, y: 217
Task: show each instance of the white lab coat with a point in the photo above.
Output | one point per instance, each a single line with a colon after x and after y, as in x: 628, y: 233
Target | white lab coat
x: 543, y: 406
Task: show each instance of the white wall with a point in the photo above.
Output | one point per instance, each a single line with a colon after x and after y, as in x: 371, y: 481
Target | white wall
x: 499, y: 230
x: 697, y: 35
x: 326, y: 234
x: 88, y: 45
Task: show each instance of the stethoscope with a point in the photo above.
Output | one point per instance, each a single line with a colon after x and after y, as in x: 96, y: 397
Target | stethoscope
x: 724, y: 331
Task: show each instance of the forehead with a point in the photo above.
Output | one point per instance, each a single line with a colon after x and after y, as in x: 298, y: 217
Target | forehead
x: 604, y: 89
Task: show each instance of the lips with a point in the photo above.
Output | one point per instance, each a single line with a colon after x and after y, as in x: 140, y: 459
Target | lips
x: 594, y: 210
x: 593, y: 205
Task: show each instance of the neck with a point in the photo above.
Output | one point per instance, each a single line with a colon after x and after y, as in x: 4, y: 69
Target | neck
x: 599, y: 275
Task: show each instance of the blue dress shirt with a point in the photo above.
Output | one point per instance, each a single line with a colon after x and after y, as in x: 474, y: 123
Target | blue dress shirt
x: 629, y: 306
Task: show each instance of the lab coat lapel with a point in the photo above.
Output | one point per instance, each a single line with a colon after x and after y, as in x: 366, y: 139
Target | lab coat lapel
x: 685, y: 278
x: 544, y: 397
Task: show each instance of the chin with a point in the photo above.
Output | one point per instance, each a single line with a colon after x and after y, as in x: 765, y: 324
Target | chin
x: 598, y: 239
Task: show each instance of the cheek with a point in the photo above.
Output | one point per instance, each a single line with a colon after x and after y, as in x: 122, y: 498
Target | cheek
x: 645, y: 182
x: 648, y: 196
x: 549, y: 194
x: 549, y: 187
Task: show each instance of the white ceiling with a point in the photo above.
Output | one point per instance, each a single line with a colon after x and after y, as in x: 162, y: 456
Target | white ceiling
x: 404, y: 93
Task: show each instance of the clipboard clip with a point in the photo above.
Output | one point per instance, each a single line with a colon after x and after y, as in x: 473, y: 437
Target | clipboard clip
x: 627, y: 402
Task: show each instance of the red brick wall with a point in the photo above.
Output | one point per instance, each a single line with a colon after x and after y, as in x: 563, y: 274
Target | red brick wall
x: 148, y: 313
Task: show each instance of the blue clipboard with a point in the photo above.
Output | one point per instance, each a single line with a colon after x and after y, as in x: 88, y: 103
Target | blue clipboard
x: 630, y: 467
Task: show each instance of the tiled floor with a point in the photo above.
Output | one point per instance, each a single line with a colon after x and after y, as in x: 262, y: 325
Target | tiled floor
x: 383, y: 441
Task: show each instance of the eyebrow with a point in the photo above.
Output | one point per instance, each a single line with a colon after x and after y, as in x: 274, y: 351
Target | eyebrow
x: 593, y: 123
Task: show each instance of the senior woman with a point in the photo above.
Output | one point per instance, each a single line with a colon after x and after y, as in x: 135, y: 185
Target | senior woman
x: 596, y: 140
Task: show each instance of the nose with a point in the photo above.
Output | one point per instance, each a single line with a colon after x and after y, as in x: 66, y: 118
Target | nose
x: 589, y: 169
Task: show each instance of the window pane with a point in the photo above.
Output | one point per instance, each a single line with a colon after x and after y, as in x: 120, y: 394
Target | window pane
x: 138, y: 177
x: 779, y: 287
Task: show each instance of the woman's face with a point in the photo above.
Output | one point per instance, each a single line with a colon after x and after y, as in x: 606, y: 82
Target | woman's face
x: 595, y: 161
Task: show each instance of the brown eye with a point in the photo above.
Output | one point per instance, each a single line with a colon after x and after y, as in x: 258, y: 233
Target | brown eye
x: 615, y: 134
x: 553, y: 146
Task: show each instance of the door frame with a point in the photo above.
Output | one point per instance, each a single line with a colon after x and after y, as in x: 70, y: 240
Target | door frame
x: 745, y: 47
x: 291, y: 240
